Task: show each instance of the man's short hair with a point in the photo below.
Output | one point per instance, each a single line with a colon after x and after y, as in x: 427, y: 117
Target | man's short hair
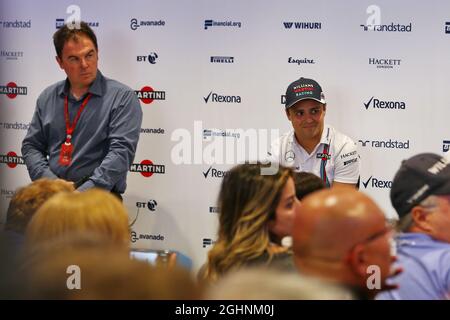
x: 306, y: 183
x: 67, y: 32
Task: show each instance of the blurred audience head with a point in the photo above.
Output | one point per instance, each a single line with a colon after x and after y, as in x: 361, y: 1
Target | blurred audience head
x: 27, y: 200
x: 306, y: 183
x: 94, y: 210
x: 341, y: 235
x: 255, y: 210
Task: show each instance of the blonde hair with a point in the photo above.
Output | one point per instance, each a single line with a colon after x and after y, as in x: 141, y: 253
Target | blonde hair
x: 90, y: 211
x: 247, y: 202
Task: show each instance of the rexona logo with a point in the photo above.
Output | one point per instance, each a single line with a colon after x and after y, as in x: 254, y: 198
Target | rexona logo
x: 376, y: 183
x: 207, y: 242
x: 384, y: 63
x: 147, y: 168
x: 11, y: 159
x: 16, y: 24
x: 445, y: 145
x: 135, y: 23
x: 219, y: 98
x: 12, y: 90
x: 145, y: 236
x: 147, y: 95
x: 447, y: 27
x: 151, y: 58
x: 221, y: 59
x: 388, y: 144
x: 212, y: 23
x: 392, y: 27
x: 60, y: 23
x: 303, y: 25
x: 375, y: 103
x: 11, y: 55
x: 214, y: 173
x: 220, y: 133
x: 301, y: 61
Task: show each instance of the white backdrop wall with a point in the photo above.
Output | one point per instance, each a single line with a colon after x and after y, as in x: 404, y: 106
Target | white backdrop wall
x: 356, y: 67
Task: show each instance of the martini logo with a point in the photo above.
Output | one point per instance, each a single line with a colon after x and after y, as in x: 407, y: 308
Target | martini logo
x: 147, y: 168
x: 11, y: 159
x: 147, y: 95
x: 12, y: 90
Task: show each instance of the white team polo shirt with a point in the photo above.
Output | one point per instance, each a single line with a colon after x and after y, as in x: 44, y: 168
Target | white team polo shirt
x: 341, y: 161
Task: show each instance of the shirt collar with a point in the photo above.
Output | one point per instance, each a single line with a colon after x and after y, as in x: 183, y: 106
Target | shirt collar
x: 325, y: 138
x: 96, y: 88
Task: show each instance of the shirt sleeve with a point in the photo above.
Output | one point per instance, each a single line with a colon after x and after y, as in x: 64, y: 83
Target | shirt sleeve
x: 124, y: 130
x: 35, y: 148
x: 347, y: 164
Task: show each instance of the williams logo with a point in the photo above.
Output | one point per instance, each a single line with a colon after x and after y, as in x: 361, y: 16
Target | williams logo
x: 147, y: 168
x: 207, y: 242
x: 151, y: 58
x: 387, y: 144
x: 11, y: 159
x: 447, y: 27
x: 376, y: 183
x: 11, y: 55
x: 147, y: 95
x: 212, y: 23
x: 445, y: 145
x: 214, y: 173
x: 375, y: 103
x: 301, y: 61
x: 383, y: 63
x: 215, y: 97
x: 220, y: 59
x: 12, y: 90
x: 388, y: 27
x: 303, y: 25
x: 220, y: 133
x: 135, y: 23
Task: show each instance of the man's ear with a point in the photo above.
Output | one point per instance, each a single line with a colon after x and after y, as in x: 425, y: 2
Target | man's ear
x: 288, y: 114
x: 59, y: 61
x: 421, y: 218
x: 356, y: 260
x: 324, y: 107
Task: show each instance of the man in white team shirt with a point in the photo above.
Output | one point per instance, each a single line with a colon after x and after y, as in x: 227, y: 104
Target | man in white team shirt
x: 311, y: 145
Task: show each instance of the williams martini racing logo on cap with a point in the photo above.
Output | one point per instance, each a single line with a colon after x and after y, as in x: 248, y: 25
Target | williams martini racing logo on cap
x: 12, y: 90
x: 146, y: 168
x: 147, y: 95
x: 11, y: 159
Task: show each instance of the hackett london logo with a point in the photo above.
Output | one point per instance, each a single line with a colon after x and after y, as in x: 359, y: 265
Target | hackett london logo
x: 146, y: 168
x: 375, y: 103
x: 147, y: 95
x: 12, y: 90
x: 11, y: 55
x: 11, y: 159
x: 385, y: 63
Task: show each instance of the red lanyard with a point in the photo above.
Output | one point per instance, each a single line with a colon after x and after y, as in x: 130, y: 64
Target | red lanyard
x: 70, y: 128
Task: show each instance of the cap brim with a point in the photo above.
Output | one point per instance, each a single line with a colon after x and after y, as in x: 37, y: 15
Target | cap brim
x: 304, y: 98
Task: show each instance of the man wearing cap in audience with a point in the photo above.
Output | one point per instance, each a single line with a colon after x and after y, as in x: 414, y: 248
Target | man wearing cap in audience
x: 421, y: 196
x: 311, y: 145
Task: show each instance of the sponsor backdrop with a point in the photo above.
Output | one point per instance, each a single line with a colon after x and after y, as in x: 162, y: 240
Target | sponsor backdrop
x: 211, y: 76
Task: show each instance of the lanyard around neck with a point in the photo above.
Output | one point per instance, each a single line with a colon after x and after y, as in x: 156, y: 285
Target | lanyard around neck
x: 71, y: 127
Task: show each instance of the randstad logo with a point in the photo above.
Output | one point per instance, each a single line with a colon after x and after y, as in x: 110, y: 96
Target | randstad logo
x: 220, y: 133
x: 16, y: 24
x: 303, y: 25
x: 219, y: 98
x: 388, y: 27
x: 445, y: 145
x: 387, y: 144
x: 301, y: 61
x: 214, y: 173
x: 375, y: 103
x: 212, y: 23
x: 146, y: 168
x: 376, y: 183
x: 135, y: 23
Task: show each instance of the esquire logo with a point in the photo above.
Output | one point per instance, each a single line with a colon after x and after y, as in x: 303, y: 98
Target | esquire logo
x: 377, y: 103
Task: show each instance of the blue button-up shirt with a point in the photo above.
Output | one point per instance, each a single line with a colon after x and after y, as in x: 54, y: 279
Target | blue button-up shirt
x: 426, y: 265
x: 104, y: 140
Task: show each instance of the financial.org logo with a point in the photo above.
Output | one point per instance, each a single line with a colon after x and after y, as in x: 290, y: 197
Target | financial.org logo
x: 214, y: 173
x: 376, y: 183
x: 447, y: 27
x: 387, y: 144
x: 388, y: 27
x: 219, y: 98
x: 375, y: 103
x: 220, y: 133
x: 212, y: 23
x: 221, y: 59
x: 207, y: 242
x: 135, y: 23
x: 301, y: 61
x: 445, y: 145
x: 151, y: 58
x: 303, y: 25
x: 384, y: 63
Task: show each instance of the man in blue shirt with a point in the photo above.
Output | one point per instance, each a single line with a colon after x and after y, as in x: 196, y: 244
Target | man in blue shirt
x: 84, y: 129
x: 421, y: 196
